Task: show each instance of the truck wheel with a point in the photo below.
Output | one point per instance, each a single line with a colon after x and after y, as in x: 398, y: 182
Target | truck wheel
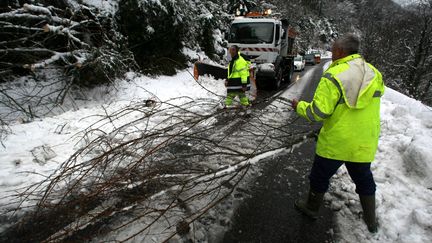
x: 278, y: 79
x: 289, y: 72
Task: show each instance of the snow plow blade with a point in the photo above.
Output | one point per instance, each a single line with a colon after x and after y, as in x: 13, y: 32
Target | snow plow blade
x: 217, y: 72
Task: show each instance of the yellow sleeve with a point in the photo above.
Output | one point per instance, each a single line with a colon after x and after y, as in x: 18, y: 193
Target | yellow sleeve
x: 244, y: 73
x: 326, y: 97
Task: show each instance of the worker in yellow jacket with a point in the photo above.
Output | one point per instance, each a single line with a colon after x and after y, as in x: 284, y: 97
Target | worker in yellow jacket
x: 347, y: 101
x: 238, y: 81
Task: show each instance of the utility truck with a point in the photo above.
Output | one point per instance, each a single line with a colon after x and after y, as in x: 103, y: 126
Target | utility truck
x: 266, y: 41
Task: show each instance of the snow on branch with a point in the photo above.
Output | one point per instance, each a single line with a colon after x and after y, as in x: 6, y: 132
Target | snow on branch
x: 29, y: 16
x: 33, y: 12
x: 36, y: 9
x: 20, y: 27
x: 14, y: 15
x: 57, y: 56
x: 26, y: 49
x: 64, y: 31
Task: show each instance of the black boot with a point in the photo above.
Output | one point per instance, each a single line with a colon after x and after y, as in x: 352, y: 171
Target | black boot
x: 311, y: 206
x: 368, y: 205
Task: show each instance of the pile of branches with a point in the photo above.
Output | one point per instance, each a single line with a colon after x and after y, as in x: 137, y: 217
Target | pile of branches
x: 148, y: 170
x: 59, y: 46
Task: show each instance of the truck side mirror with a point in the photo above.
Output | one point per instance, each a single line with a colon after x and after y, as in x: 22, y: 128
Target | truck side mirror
x: 277, y: 36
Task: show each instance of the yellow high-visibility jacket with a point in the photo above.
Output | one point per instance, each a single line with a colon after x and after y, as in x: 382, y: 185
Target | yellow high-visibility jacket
x: 238, y: 74
x: 347, y: 100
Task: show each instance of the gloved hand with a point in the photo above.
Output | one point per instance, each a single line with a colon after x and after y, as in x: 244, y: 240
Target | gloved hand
x: 294, y: 104
x: 244, y: 88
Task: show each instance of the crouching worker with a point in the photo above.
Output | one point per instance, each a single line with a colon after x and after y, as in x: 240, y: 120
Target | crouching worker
x: 238, y: 78
x: 347, y: 100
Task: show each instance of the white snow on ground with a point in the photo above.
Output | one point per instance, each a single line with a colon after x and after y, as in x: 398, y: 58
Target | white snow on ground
x: 110, y: 6
x: 403, y: 174
x: 296, y: 89
x: 326, y: 54
x: 34, y: 150
x: 402, y: 171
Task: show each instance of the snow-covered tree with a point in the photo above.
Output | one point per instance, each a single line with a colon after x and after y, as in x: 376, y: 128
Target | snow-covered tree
x: 399, y: 42
x: 50, y: 49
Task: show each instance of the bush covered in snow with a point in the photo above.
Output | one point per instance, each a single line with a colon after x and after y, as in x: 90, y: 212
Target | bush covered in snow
x: 60, y: 35
x: 157, y: 31
x: 62, y: 46
x: 50, y: 49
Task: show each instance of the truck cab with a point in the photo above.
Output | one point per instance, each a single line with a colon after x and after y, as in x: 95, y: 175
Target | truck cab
x: 268, y: 44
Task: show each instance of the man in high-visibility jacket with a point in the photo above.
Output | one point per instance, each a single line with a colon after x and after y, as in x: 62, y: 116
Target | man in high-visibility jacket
x: 238, y: 78
x: 347, y: 100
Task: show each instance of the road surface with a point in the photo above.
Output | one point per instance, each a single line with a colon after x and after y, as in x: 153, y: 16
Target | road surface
x: 268, y: 215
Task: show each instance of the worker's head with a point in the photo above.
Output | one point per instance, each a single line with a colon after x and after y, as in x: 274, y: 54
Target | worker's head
x: 346, y: 45
x: 233, y: 50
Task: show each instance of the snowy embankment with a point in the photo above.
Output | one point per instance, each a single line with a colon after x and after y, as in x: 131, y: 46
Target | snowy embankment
x: 403, y: 173
x: 402, y: 170
x: 52, y: 140
x: 34, y: 150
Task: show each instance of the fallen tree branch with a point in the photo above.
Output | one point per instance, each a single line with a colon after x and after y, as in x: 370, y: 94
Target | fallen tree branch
x: 129, y: 164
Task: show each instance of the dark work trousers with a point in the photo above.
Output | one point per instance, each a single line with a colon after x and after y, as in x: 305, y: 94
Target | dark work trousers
x: 323, y: 169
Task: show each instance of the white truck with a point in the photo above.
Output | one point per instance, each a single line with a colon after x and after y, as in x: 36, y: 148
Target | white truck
x: 268, y: 43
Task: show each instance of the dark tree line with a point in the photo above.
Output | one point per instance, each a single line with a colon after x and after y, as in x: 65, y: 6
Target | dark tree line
x: 399, y: 42
x: 397, y: 39
x: 158, y: 31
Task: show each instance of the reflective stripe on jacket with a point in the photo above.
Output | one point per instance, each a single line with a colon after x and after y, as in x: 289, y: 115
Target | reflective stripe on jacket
x: 347, y: 100
x: 238, y: 74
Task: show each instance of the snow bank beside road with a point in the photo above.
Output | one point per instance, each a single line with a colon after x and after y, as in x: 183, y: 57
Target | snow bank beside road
x: 403, y: 174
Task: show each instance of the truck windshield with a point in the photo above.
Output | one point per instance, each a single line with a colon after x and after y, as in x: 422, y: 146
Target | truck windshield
x: 251, y: 33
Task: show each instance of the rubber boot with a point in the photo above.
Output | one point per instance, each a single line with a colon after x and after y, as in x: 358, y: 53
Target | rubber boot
x: 368, y: 205
x: 311, y: 206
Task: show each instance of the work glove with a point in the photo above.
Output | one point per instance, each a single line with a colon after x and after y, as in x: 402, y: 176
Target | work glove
x: 294, y: 104
x: 244, y: 88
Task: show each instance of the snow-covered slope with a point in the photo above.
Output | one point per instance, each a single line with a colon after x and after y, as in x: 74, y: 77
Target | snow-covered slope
x: 34, y: 150
x: 403, y: 173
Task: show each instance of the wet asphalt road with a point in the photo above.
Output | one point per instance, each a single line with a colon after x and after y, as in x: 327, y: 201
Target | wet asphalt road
x: 268, y: 215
